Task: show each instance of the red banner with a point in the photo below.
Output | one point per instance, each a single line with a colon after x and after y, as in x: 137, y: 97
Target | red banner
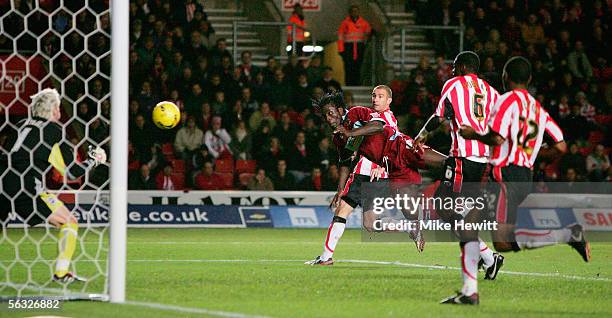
x: 307, y: 5
x: 16, y: 84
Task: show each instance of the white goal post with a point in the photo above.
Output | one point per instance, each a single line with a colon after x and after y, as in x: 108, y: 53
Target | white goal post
x: 119, y: 100
x: 67, y: 45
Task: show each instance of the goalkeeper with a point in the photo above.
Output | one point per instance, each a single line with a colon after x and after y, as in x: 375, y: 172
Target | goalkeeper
x: 36, y: 149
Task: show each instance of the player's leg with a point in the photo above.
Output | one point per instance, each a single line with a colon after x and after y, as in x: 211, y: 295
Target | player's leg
x: 61, y: 218
x: 510, y: 238
x: 350, y: 198
x: 334, y: 233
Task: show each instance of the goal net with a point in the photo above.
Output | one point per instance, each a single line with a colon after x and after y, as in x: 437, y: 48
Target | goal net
x: 63, y: 45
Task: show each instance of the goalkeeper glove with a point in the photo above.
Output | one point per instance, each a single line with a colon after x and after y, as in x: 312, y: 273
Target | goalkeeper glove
x: 97, y: 154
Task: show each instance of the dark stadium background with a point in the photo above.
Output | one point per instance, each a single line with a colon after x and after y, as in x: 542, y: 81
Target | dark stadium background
x: 173, y: 56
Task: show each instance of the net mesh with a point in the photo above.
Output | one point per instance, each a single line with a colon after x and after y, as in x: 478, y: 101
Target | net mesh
x: 64, y: 45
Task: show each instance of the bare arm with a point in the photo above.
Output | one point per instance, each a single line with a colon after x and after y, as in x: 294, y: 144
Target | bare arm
x: 554, y: 151
x: 491, y: 138
x: 371, y: 128
x: 432, y: 124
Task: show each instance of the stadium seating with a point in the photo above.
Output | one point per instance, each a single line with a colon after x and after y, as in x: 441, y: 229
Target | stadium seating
x: 246, y: 166
x: 244, y: 178
x: 228, y: 180
x: 224, y: 165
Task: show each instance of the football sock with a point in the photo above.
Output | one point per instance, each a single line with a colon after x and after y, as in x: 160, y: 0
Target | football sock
x: 470, y: 255
x: 334, y: 233
x: 66, y: 245
x: 527, y: 239
x: 485, y: 253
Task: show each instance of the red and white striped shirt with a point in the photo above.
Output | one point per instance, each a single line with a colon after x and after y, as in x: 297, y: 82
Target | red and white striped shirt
x: 521, y: 120
x: 365, y: 166
x: 467, y: 100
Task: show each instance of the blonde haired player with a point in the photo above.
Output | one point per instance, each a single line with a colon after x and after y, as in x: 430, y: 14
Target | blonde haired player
x: 37, y: 148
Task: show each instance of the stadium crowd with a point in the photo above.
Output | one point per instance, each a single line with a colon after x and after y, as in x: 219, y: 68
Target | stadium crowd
x: 566, y: 44
x: 249, y: 127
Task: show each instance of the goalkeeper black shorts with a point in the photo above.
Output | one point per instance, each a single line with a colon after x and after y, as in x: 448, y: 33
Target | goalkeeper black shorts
x: 32, y: 210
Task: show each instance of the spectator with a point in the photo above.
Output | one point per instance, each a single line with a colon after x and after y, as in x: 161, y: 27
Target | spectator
x: 260, y: 88
x: 312, y: 131
x: 324, y: 154
x: 575, y: 126
x: 285, y: 131
x: 202, y: 70
x: 142, y: 180
x: 578, y: 63
x: 270, y: 153
x: 247, y: 69
x: 268, y: 70
x: 573, y: 159
x: 217, y: 139
x: 586, y: 109
x: 282, y: 180
x: 166, y: 51
x: 352, y: 36
x: 315, y: 182
x: 205, y: 116
x: 241, y: 144
x: 349, y: 100
x: 260, y: 182
x: 184, y: 13
x: 564, y: 107
x: 154, y: 159
x: 280, y: 90
x: 598, y: 164
x: 176, y: 66
x: 301, y: 93
x: 194, y: 101
x: 249, y: 104
x: 235, y: 115
x: 206, y: 179
x: 188, y: 139
x: 327, y: 82
x: 219, y: 106
x: 297, y: 18
x: 166, y: 180
x: 140, y: 135
x: 532, y: 31
x: 511, y: 32
x: 301, y: 158
x: 146, y: 97
x: 208, y: 34
x: 333, y: 178
x: 490, y: 73
x: 263, y: 114
x: 292, y: 69
x: 213, y: 86
x: 200, y: 157
x: 314, y: 71
x: 83, y: 111
x: 220, y: 50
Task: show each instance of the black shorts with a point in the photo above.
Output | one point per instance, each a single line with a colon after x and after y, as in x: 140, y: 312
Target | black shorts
x: 462, y: 177
x: 359, y: 191
x: 32, y: 210
x: 514, y: 183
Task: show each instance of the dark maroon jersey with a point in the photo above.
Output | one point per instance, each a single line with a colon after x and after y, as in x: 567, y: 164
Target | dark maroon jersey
x: 390, y: 149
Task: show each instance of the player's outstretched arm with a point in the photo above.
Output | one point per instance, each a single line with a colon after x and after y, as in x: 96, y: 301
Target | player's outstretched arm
x: 371, y: 128
x: 432, y: 124
x: 433, y: 159
x: 553, y: 152
x: 491, y: 138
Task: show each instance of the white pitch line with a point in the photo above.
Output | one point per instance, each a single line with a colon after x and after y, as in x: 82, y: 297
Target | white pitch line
x: 395, y: 263
x: 192, y: 310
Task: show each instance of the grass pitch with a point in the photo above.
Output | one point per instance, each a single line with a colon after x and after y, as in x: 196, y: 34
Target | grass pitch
x: 260, y: 272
